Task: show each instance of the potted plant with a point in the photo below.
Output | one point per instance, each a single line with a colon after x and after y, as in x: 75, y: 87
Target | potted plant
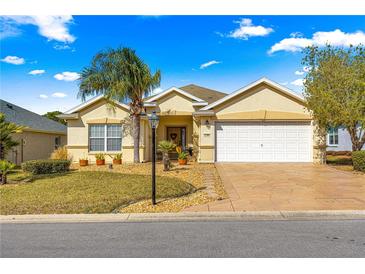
x: 182, y: 156
x: 83, y: 161
x: 100, y: 159
x: 117, y: 159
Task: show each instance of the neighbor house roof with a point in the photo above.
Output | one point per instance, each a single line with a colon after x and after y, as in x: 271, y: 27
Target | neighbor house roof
x: 208, y: 95
x: 32, y: 121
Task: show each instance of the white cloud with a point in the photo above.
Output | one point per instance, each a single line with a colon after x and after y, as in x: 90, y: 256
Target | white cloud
x: 247, y: 29
x: 283, y: 83
x: 61, y: 47
x: 50, y: 26
x: 43, y: 96
x: 36, y: 72
x: 59, y: 95
x: 7, y: 28
x: 15, y: 60
x: 306, y: 69
x: 210, y: 63
x: 299, y: 72
x: 298, y: 82
x: 320, y: 38
x: 67, y: 76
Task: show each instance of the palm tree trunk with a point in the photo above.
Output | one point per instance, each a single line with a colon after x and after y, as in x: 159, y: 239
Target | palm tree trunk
x: 136, y: 136
x: 2, y: 151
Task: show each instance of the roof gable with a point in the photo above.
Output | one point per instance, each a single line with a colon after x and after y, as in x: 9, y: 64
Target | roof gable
x: 92, y: 101
x: 208, y: 95
x: 249, y: 87
x: 171, y: 90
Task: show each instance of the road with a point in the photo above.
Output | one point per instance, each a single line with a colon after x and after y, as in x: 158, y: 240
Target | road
x: 185, y: 239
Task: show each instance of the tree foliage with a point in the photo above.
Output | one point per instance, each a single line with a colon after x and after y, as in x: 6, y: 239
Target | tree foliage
x: 119, y: 74
x: 334, y: 88
x: 6, y: 130
x: 53, y: 116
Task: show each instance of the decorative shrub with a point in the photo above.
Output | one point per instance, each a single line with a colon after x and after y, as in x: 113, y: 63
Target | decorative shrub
x: 339, y: 153
x: 46, y: 166
x: 60, y: 154
x: 358, y: 160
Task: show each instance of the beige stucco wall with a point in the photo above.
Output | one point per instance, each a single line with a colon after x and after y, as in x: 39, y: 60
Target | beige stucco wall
x: 78, y: 132
x: 36, y: 145
x: 261, y: 97
x: 175, y: 102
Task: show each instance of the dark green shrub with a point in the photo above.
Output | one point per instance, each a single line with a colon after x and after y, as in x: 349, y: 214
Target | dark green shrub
x: 358, y: 160
x: 46, y: 166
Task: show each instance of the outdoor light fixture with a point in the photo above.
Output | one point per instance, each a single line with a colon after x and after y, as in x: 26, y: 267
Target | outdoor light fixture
x: 153, y: 121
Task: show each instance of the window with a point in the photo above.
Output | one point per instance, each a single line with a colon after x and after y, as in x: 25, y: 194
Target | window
x: 333, y: 136
x: 105, y: 138
x: 57, y: 142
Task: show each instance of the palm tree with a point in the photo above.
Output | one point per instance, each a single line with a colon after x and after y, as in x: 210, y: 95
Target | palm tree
x: 119, y: 74
x: 6, y: 130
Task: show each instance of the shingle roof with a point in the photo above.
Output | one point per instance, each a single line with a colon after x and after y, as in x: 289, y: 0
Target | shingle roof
x: 31, y: 120
x: 208, y: 95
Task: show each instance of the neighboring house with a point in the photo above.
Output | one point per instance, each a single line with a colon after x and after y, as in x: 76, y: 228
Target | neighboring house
x: 339, y: 139
x: 262, y: 122
x: 40, y: 137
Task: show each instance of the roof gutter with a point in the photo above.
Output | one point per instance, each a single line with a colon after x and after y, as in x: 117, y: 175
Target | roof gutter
x: 71, y: 116
x: 204, y: 113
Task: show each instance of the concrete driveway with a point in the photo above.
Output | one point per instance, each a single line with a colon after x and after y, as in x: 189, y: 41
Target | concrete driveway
x: 261, y: 187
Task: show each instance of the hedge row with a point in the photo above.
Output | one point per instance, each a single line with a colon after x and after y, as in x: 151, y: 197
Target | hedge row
x: 46, y: 166
x: 339, y: 153
x: 358, y: 160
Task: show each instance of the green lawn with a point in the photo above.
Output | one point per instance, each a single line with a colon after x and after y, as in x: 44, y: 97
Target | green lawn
x: 84, y: 192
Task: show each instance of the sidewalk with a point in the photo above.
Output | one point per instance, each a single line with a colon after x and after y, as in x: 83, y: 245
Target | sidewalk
x: 188, y: 216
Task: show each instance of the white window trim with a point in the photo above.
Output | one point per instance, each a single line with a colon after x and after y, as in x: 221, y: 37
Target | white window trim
x: 328, y: 140
x: 106, y: 139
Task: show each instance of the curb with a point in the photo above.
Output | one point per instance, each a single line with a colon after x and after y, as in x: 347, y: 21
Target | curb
x: 188, y: 216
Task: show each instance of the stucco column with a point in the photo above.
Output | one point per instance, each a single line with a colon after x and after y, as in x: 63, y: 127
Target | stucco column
x: 319, y: 144
x: 196, y: 139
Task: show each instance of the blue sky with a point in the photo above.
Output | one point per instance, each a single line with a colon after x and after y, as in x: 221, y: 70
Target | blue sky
x: 41, y: 56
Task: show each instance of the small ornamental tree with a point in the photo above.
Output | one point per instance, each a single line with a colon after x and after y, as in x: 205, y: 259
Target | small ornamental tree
x: 334, y: 88
x: 6, y: 131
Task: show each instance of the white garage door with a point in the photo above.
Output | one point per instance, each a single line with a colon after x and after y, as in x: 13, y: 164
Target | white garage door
x: 264, y: 142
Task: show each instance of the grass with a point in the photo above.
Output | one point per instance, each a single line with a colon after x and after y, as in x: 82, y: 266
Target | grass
x: 84, y: 192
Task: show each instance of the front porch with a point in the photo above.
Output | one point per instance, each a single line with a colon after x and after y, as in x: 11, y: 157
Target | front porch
x: 175, y: 128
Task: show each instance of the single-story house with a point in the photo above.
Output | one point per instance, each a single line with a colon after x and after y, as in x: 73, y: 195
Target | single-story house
x: 339, y: 139
x: 39, y: 138
x: 261, y: 122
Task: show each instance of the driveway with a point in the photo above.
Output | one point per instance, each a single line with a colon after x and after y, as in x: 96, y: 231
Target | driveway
x: 262, y: 187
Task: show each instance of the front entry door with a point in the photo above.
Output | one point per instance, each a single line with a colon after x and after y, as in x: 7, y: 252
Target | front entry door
x: 177, y: 135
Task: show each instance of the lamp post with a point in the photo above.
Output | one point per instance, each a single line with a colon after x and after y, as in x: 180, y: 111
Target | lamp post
x: 153, y: 121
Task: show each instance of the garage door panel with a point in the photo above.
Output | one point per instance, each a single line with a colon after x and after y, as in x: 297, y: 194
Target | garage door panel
x: 263, y: 142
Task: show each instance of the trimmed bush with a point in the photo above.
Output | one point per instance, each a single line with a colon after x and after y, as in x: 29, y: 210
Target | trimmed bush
x: 358, y: 160
x: 46, y: 166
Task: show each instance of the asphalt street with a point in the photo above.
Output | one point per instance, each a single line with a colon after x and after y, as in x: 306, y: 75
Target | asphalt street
x: 185, y: 239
